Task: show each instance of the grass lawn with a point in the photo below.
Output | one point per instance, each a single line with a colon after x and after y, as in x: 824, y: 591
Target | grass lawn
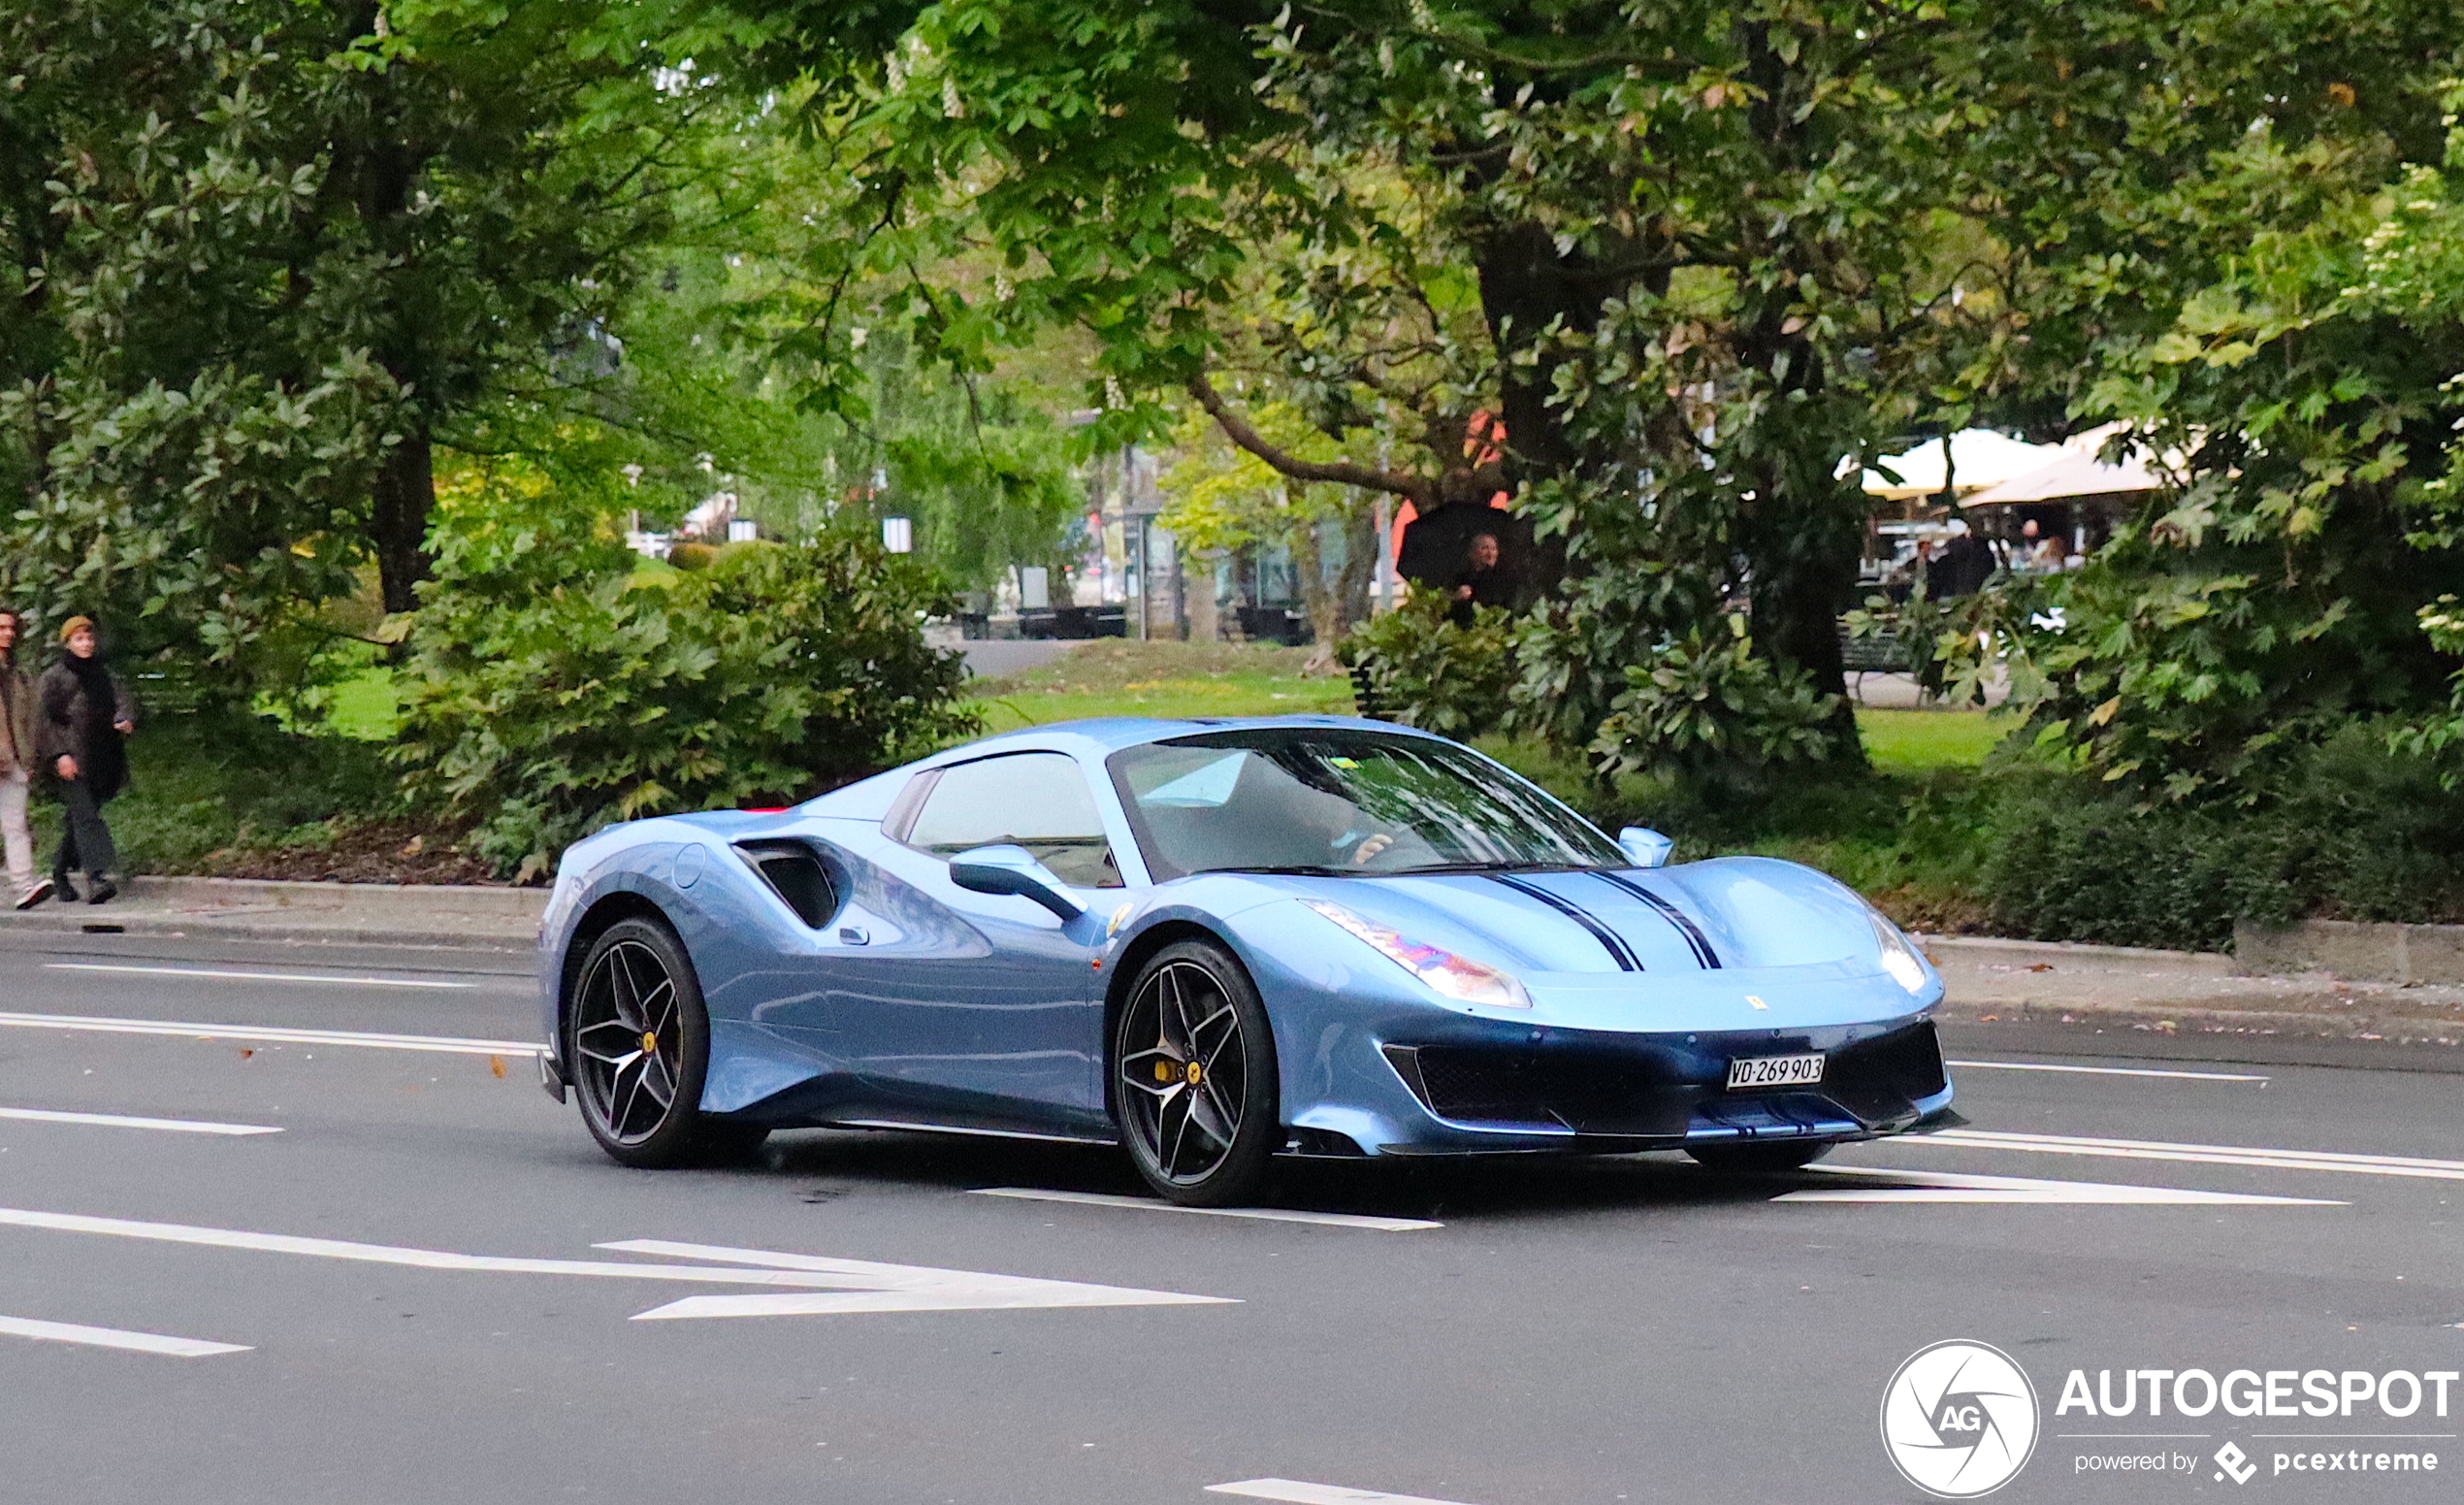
x: 1910, y: 741
x: 1122, y: 677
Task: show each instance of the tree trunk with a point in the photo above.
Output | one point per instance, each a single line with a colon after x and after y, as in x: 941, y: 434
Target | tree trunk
x: 1325, y: 612
x: 1360, y: 567
x: 405, y: 494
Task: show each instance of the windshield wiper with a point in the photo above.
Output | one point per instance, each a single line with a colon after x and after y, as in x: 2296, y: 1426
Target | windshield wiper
x: 1293, y: 870
x: 1496, y: 866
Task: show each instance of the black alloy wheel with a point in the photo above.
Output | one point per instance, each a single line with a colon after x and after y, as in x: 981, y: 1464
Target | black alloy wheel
x: 1771, y: 1155
x: 1194, y: 1088
x: 637, y: 1047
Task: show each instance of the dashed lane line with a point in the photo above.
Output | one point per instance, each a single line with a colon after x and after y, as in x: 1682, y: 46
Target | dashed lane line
x: 175, y: 1125
x: 116, y: 1337
x: 2047, y: 1066
x: 1297, y: 1492
x: 885, y: 1287
x: 2193, y: 1154
x: 1923, y: 1186
x: 232, y: 976
x: 1336, y: 1219
x: 272, y: 1034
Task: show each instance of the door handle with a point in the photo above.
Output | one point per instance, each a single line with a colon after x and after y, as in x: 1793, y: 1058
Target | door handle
x: 855, y: 935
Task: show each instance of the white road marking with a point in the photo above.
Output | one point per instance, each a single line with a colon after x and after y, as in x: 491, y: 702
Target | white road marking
x: 176, y: 1126
x: 1925, y: 1185
x: 201, y: 971
x: 886, y: 1288
x: 2194, y: 1154
x: 114, y: 1337
x: 274, y: 1033
x: 877, y: 1288
x: 2042, y: 1065
x: 1337, y: 1219
x: 1299, y: 1494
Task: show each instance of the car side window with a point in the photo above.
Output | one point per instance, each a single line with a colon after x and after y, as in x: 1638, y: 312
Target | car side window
x: 1038, y: 800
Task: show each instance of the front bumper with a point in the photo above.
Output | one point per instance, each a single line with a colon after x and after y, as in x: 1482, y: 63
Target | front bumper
x: 1625, y: 1092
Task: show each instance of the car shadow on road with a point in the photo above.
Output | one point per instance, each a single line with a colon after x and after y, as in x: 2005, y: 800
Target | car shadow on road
x: 823, y: 1164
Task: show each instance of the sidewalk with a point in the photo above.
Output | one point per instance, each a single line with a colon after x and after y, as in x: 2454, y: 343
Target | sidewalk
x: 2180, y: 994
x: 2187, y: 994
x: 488, y: 919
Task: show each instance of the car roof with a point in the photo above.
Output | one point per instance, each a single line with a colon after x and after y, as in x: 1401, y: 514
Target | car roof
x: 1110, y: 734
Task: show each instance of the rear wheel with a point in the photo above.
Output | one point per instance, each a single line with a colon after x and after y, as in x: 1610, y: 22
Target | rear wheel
x: 1194, y: 1088
x: 638, y: 1049
x: 1775, y: 1155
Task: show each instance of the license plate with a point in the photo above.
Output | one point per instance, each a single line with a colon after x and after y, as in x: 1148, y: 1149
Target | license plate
x: 1775, y: 1072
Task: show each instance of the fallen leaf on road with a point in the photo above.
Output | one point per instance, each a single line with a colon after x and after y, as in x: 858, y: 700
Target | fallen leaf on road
x: 2041, y: 967
x: 496, y: 1068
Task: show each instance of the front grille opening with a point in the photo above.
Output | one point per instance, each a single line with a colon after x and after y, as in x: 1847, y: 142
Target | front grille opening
x: 796, y: 872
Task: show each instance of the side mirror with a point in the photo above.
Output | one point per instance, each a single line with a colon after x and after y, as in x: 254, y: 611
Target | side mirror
x: 1013, y: 869
x: 1648, y: 848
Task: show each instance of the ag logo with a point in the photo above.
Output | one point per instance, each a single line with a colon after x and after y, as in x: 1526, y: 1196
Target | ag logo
x: 1958, y: 1420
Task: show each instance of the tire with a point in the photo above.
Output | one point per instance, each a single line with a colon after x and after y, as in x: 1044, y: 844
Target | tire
x: 1194, y: 1091
x: 637, y: 1048
x: 1778, y: 1154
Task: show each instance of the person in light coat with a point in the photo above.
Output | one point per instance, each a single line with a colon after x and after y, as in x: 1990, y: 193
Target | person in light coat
x: 18, y: 709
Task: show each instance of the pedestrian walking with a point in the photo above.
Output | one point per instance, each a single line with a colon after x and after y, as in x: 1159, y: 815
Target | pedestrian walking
x: 87, y: 712
x: 18, y: 763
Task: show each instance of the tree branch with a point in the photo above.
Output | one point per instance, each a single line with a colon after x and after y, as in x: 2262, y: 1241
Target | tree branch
x: 1420, y: 489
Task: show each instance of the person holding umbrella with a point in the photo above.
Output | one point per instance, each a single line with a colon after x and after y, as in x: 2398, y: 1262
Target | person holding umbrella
x: 87, y: 712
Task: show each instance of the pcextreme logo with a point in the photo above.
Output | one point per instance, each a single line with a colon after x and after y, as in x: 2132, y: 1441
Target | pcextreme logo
x: 1959, y: 1419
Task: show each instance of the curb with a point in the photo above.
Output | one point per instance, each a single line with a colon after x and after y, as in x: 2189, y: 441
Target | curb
x: 2203, y: 1021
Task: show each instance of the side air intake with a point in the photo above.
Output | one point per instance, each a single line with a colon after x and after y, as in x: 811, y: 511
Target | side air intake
x: 796, y: 873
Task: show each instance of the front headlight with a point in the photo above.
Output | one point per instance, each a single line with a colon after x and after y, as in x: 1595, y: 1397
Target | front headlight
x: 1899, y: 957
x: 1459, y: 978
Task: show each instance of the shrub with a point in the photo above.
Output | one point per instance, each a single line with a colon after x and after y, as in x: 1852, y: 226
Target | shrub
x: 2347, y: 830
x: 1431, y: 673
x: 1706, y: 710
x: 541, y: 710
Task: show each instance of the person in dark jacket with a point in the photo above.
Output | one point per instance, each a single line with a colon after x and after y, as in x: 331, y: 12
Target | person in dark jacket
x: 1482, y: 581
x: 87, y: 712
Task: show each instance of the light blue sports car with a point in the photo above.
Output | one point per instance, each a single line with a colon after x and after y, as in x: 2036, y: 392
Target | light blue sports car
x: 1213, y: 942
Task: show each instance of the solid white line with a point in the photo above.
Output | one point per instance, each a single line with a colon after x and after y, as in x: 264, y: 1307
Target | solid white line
x: 2041, y: 1066
x: 1299, y: 1494
x: 1925, y: 1185
x: 450, y: 1044
x: 2194, y: 1154
x: 886, y: 1288
x: 114, y: 1337
x: 200, y: 971
x: 1332, y: 1220
x: 175, y: 1126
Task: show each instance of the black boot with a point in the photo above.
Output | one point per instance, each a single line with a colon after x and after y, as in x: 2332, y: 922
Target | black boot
x: 104, y: 890
x: 62, y: 889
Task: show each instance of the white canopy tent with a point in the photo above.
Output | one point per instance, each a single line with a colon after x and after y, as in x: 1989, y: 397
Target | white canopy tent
x: 1976, y: 459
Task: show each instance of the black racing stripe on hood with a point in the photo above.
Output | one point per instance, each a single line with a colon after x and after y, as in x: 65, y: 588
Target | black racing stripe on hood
x: 1615, y: 944
x: 1675, y: 916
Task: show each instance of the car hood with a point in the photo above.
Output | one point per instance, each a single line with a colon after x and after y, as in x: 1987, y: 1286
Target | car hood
x: 1722, y: 924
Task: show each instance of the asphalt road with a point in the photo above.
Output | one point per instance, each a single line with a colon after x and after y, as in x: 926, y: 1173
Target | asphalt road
x: 404, y: 1293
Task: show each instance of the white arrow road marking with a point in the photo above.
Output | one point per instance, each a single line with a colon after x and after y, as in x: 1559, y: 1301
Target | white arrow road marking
x: 1336, y: 1219
x: 1925, y: 1186
x: 875, y: 1287
x: 201, y: 971
x: 2194, y: 1154
x: 175, y: 1126
x: 114, y: 1337
x: 2042, y: 1065
x: 450, y: 1044
x: 1300, y: 1493
x: 886, y: 1288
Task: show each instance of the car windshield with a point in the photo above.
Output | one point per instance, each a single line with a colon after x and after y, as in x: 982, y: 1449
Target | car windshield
x: 1341, y: 801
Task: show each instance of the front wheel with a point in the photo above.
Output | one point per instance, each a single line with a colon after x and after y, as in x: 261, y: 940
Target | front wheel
x: 639, y: 1047
x: 1193, y: 1086
x: 1776, y: 1154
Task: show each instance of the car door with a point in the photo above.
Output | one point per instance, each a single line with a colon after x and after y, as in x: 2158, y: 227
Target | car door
x: 982, y: 1009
